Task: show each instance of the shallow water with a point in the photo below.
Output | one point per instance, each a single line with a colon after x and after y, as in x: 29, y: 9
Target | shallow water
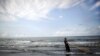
x: 50, y: 47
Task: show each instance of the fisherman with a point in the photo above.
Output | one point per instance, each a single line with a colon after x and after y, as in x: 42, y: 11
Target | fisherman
x: 66, y: 45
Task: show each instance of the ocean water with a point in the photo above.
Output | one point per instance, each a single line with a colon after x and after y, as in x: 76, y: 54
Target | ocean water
x: 50, y: 46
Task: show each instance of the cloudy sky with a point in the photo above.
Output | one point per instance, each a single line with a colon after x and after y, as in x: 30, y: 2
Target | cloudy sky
x: 38, y: 18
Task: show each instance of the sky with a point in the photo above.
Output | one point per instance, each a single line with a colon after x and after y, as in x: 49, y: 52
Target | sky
x: 45, y: 18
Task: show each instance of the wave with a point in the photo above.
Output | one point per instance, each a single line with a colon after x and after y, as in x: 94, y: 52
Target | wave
x: 23, y: 44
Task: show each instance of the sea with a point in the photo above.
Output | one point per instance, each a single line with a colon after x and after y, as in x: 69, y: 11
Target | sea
x: 50, y: 46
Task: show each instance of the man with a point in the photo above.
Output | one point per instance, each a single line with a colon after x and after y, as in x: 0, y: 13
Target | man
x: 66, y: 45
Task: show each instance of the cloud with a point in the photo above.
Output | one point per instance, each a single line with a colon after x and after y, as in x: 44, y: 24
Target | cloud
x: 91, y: 5
x: 7, y: 17
x: 15, y: 34
x: 61, y: 16
x: 32, y: 9
x: 4, y: 34
x: 97, y: 4
x: 99, y: 27
x: 71, y: 31
x: 78, y: 31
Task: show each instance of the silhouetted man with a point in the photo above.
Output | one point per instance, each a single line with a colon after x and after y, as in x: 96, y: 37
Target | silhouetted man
x: 66, y: 45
